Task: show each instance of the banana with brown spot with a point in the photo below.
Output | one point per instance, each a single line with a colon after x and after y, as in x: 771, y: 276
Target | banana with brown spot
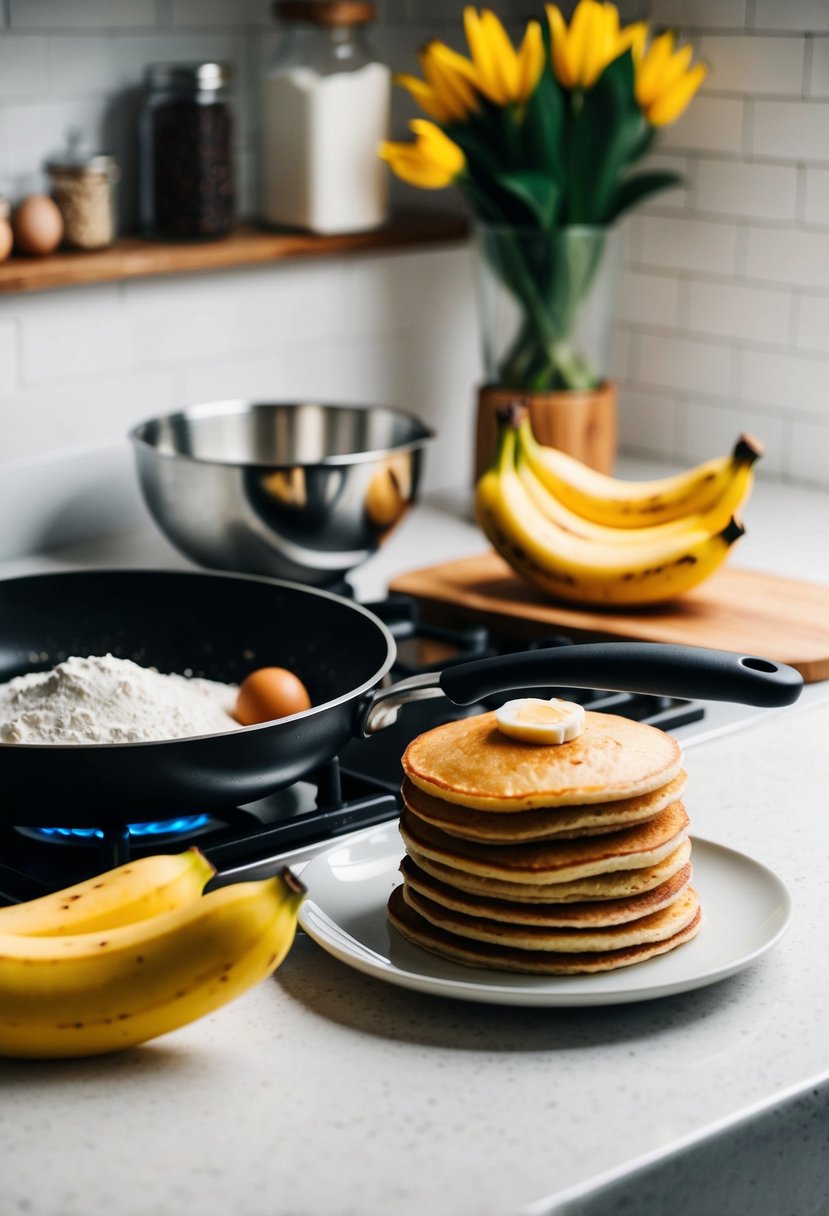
x: 93, y: 993
x: 133, y: 892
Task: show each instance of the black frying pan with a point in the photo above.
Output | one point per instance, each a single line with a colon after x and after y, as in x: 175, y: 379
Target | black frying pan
x: 224, y: 626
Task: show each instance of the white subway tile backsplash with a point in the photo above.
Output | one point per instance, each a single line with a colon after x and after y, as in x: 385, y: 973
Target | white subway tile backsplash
x: 60, y: 343
x: 249, y: 310
x: 815, y: 208
x: 80, y: 413
x: 686, y: 364
x: 8, y: 359
x: 702, y: 14
x: 677, y: 243
x: 132, y: 52
x: 81, y: 64
x: 741, y: 63
x: 730, y: 311
x: 809, y: 455
x: 710, y: 124
x: 86, y: 14
x: 790, y: 130
x: 746, y: 190
x: 648, y: 299
x: 221, y: 12
x: 24, y: 67
x: 423, y: 290
x: 788, y: 255
x: 795, y: 16
x: 790, y: 382
x: 813, y: 324
x: 34, y: 131
x: 647, y: 420
x: 709, y: 431
x: 818, y: 81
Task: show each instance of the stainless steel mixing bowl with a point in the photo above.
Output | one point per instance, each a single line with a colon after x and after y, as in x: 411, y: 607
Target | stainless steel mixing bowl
x: 305, y: 491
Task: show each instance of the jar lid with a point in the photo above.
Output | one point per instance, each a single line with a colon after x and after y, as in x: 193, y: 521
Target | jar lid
x: 205, y: 75
x: 79, y: 159
x: 325, y: 12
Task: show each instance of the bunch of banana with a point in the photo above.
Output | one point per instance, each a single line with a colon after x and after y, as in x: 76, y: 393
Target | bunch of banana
x: 134, y: 953
x: 591, y: 539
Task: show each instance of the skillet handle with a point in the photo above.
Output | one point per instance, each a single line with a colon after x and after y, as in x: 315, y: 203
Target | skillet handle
x: 691, y: 672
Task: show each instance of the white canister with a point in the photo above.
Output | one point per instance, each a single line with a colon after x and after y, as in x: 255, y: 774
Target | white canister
x: 325, y: 111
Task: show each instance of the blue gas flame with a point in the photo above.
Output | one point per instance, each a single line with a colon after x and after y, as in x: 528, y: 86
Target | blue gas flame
x: 158, y: 827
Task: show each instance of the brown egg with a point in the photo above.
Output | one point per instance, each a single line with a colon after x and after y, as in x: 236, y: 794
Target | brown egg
x: 268, y: 693
x: 6, y: 239
x: 37, y: 224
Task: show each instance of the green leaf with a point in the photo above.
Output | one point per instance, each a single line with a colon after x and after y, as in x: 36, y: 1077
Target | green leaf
x: 542, y: 129
x: 635, y: 188
x: 477, y: 147
x: 537, y: 192
x: 606, y: 131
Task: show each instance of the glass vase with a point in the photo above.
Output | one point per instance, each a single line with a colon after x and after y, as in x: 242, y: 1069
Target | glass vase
x: 546, y: 306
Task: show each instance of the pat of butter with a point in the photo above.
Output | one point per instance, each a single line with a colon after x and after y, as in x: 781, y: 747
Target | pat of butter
x: 535, y: 721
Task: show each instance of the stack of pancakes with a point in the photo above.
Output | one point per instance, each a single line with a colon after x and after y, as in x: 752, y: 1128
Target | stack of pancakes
x: 545, y: 859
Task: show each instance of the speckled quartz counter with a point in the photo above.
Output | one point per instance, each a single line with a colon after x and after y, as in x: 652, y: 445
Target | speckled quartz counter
x: 324, y: 1092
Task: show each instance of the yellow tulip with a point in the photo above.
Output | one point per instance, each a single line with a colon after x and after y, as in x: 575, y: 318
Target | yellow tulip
x: 665, y: 81
x: 501, y: 73
x: 448, y: 92
x: 451, y: 78
x: 425, y: 97
x: 594, y: 40
x: 431, y: 162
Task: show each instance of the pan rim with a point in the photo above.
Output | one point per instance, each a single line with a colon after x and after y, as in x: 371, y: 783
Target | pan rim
x: 351, y: 695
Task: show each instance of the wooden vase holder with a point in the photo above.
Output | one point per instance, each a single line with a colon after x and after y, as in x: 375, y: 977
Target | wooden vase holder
x: 581, y: 423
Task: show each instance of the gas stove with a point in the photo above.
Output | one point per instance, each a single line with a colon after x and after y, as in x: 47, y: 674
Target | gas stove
x: 356, y: 789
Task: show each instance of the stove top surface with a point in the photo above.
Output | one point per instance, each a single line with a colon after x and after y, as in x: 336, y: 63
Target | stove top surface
x: 354, y: 790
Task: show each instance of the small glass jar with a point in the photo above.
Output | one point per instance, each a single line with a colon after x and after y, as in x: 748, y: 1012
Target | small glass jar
x: 83, y: 186
x: 325, y: 111
x: 186, y: 186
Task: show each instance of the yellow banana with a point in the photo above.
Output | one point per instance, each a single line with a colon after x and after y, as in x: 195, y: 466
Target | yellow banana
x: 92, y: 993
x: 584, y: 571
x: 632, y: 504
x: 133, y: 892
x: 715, y: 518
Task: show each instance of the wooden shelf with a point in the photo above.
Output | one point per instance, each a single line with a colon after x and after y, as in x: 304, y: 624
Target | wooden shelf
x: 135, y: 257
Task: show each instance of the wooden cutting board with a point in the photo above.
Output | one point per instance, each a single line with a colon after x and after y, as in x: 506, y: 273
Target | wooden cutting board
x: 740, y: 610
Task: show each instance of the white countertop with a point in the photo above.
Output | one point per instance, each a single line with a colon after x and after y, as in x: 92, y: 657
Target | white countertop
x: 324, y: 1092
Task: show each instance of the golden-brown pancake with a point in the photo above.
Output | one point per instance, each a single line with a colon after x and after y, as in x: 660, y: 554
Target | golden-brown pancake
x: 415, y: 928
x: 472, y: 763
x: 655, y: 927
x: 577, y: 914
x: 544, y: 823
x: 552, y: 861
x: 619, y: 884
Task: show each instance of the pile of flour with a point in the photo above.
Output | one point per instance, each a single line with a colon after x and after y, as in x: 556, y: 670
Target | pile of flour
x: 108, y: 700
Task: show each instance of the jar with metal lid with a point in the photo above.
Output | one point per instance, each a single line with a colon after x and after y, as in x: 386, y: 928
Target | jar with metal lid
x: 82, y: 183
x: 186, y: 187
x: 325, y: 111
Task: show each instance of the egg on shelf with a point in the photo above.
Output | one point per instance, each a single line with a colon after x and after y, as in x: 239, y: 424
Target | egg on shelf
x: 37, y: 225
x: 269, y: 693
x: 6, y: 234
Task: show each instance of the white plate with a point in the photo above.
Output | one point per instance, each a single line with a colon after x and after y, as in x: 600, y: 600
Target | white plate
x: 746, y: 909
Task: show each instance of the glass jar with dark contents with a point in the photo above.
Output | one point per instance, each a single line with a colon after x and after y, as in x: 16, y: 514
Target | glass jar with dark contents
x: 186, y: 164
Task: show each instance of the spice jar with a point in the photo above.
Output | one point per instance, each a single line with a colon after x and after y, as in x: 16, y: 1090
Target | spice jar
x: 83, y: 187
x: 186, y: 161
x: 325, y: 111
